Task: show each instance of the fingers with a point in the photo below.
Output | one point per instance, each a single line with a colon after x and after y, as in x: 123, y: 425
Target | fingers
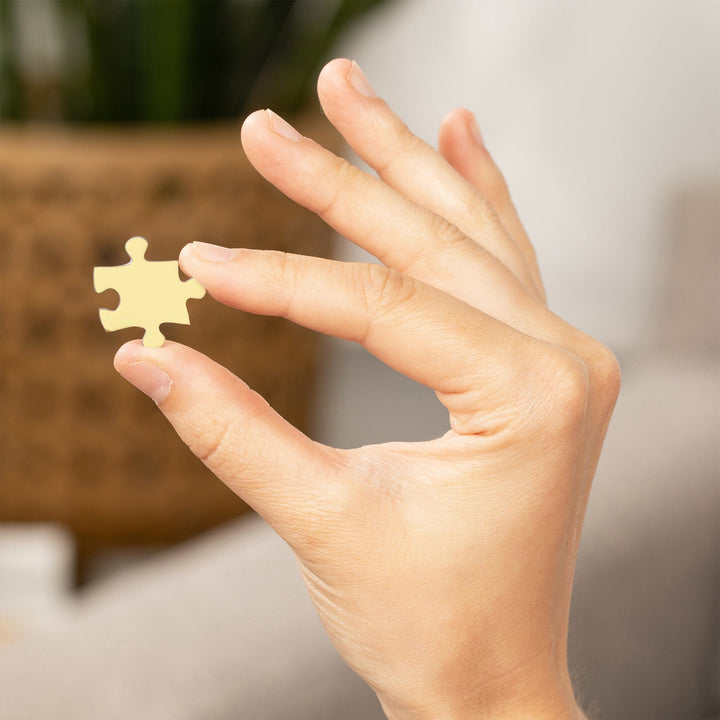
x: 461, y: 144
x: 411, y: 166
x: 402, y: 234
x: 429, y: 336
x: 265, y: 460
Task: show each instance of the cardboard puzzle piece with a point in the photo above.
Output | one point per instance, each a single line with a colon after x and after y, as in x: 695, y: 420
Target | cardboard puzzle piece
x: 151, y: 293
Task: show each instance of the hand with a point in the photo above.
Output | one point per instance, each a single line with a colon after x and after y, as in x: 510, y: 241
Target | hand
x: 441, y: 570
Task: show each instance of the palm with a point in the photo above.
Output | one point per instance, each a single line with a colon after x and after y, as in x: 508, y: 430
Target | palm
x: 447, y: 507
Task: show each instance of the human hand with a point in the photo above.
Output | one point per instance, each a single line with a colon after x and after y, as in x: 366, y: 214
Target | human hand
x: 441, y: 570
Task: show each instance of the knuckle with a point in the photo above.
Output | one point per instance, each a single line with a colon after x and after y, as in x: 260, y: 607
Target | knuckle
x: 344, y: 177
x: 605, y: 374
x: 498, y: 194
x: 382, y: 289
x: 404, y: 136
x: 446, y: 233
x: 211, y: 439
x: 483, y: 212
x: 284, y: 271
x: 277, y: 266
x: 346, y: 174
x: 400, y: 140
x: 564, y: 392
x: 394, y: 139
x: 227, y: 442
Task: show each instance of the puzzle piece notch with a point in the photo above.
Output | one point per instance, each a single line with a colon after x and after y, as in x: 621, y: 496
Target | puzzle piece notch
x: 151, y: 293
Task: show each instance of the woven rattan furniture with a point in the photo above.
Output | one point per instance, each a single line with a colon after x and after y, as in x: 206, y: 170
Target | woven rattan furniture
x: 79, y: 445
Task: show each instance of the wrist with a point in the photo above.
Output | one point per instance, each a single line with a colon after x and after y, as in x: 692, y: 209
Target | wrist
x: 548, y: 702
x: 542, y: 710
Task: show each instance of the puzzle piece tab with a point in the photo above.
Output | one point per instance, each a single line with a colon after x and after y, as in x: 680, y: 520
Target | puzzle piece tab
x: 150, y: 292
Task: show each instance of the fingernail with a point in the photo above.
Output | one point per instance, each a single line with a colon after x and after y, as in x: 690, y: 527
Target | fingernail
x: 356, y: 77
x: 213, y: 253
x: 475, y: 130
x: 283, y: 127
x: 148, y: 377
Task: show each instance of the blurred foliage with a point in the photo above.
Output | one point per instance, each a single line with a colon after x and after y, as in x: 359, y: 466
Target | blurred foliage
x: 164, y: 61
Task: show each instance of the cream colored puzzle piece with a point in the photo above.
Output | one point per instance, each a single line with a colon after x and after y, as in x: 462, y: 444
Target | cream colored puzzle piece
x: 151, y: 293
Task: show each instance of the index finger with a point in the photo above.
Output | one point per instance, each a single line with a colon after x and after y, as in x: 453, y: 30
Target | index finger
x: 428, y: 335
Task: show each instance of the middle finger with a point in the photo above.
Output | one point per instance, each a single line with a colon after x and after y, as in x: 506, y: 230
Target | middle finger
x: 402, y: 234
x: 411, y: 166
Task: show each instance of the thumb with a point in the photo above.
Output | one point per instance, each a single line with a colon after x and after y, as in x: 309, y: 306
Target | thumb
x: 280, y: 472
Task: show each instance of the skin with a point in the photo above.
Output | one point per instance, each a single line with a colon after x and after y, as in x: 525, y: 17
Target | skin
x: 442, y: 570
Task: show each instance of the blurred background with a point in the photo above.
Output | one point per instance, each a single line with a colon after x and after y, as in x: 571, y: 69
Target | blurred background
x: 134, y: 584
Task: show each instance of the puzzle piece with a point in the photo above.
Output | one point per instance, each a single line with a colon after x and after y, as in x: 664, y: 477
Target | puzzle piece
x: 150, y: 292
